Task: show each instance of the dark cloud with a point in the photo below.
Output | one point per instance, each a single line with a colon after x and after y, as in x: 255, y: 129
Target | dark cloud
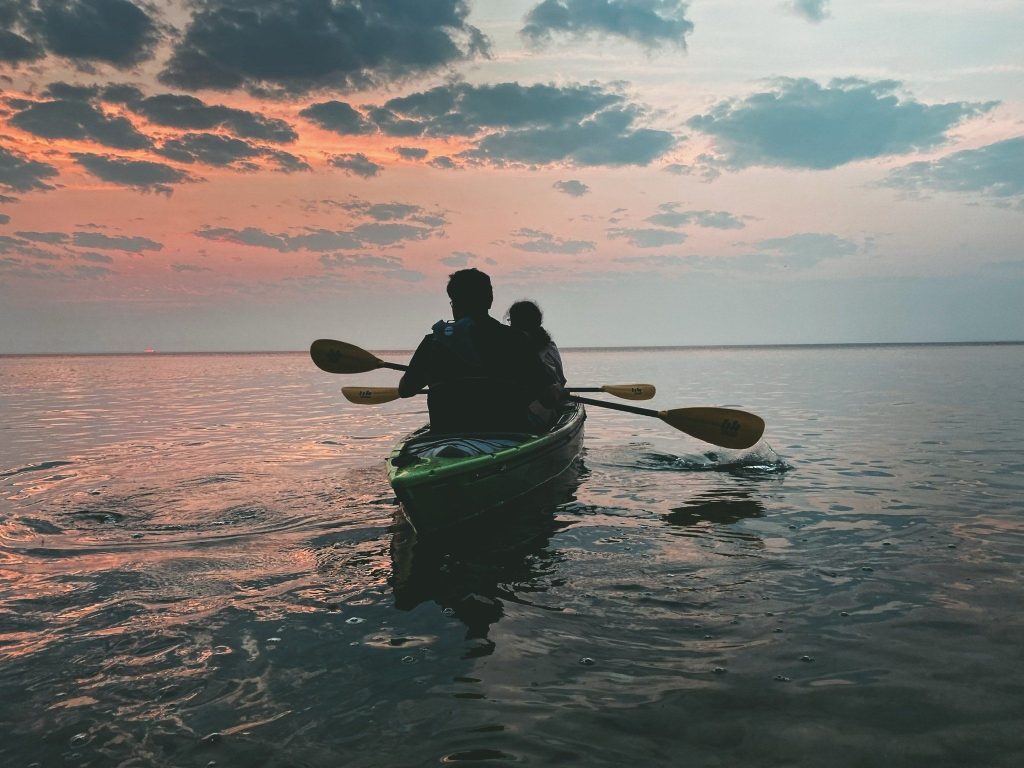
x: 19, y: 174
x: 443, y: 162
x: 801, y: 124
x: 15, y: 49
x: 648, y: 238
x: 76, y: 119
x: 115, y: 32
x: 4, y: 218
x: 4, y: 199
x: 52, y: 238
x: 537, y: 241
x: 671, y: 216
x: 189, y: 268
x: 115, y: 242
x: 190, y: 113
x: 812, y: 10
x: 995, y: 171
x: 293, y: 46
x: 511, y: 123
x: 608, y: 138
x: 650, y: 23
x: 226, y: 151
x: 62, y: 91
x: 572, y: 187
x: 142, y: 175
x: 412, y: 153
x: 22, y: 247
x: 339, y: 117
x: 357, y: 163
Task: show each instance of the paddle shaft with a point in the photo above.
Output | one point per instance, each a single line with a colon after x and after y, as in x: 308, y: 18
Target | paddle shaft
x: 613, y: 406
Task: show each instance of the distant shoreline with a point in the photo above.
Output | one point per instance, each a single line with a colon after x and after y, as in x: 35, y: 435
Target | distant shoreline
x: 671, y: 348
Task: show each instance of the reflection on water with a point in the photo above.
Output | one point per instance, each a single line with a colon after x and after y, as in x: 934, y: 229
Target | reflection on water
x: 472, y: 570
x: 200, y: 561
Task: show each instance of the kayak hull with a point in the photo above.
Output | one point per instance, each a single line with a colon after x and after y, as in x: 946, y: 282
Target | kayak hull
x: 440, y: 491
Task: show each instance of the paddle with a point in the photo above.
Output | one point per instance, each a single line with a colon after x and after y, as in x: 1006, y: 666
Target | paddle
x: 726, y: 427
x: 378, y: 395
x: 338, y: 357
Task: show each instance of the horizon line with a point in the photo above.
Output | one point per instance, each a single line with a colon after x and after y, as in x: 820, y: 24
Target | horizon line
x: 615, y: 348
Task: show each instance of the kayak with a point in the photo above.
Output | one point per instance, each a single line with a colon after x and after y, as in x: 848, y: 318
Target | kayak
x: 443, y: 480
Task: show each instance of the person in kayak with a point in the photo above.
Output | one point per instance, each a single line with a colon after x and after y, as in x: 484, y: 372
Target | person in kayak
x: 525, y: 316
x: 482, y: 375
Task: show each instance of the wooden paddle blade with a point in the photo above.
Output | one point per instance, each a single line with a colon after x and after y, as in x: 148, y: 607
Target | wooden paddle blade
x: 726, y: 427
x: 370, y: 395
x: 338, y: 357
x: 630, y: 391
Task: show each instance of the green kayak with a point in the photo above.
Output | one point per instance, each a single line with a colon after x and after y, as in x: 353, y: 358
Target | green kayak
x: 442, y: 480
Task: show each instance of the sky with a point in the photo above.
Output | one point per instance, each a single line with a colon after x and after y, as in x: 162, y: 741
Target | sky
x: 234, y: 175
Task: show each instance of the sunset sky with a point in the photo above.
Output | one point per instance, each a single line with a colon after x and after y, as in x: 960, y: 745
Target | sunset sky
x: 255, y: 174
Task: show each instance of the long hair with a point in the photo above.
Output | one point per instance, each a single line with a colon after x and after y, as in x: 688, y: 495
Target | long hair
x: 526, y: 316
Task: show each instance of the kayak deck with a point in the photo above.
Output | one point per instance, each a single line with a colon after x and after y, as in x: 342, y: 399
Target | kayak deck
x: 442, y: 480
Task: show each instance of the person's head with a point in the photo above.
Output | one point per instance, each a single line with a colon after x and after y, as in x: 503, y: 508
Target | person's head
x: 470, y: 292
x: 524, y: 316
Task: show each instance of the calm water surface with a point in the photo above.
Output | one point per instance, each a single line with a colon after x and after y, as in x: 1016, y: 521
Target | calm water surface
x: 201, y: 563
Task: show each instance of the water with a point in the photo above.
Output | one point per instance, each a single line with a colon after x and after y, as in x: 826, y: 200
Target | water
x: 200, y: 564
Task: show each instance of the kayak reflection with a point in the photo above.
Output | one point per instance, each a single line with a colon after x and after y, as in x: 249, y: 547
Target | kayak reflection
x: 473, y: 570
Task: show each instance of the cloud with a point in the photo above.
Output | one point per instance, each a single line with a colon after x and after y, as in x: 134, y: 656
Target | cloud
x: 19, y: 174
x: 15, y: 49
x: 812, y: 10
x: 511, y: 123
x: 189, y: 268
x: 52, y: 238
x: 412, y: 153
x: 801, y: 124
x: 648, y: 238
x: 227, y: 151
x: 374, y: 233
x: 357, y: 163
x: 572, y: 187
x: 608, y: 138
x: 5, y: 199
x: 115, y: 32
x: 443, y: 162
x: 537, y: 241
x: 142, y: 175
x: 294, y: 46
x: 994, y: 171
x: 339, y: 117
x: 800, y: 251
x: 4, y: 218
x: 459, y: 259
x: 190, y: 113
x: 393, y: 212
x: 101, y: 258
x: 78, y: 119
x: 89, y: 272
x: 388, y: 266
x: 115, y: 243
x: 670, y: 216
x: 651, y: 23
